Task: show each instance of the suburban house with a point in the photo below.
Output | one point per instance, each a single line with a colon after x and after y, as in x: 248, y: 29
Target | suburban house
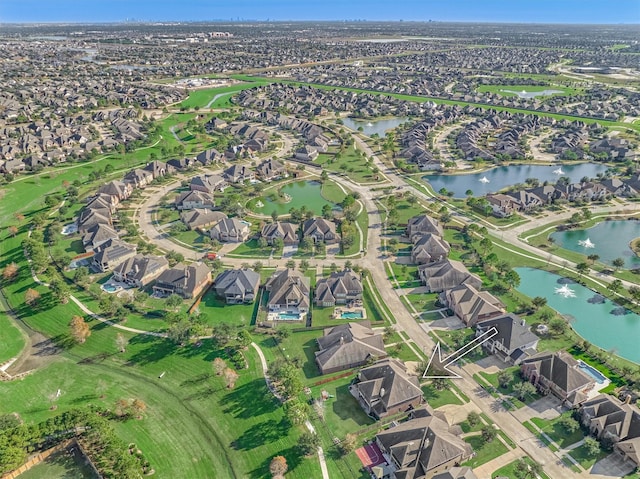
x: 423, y: 446
x: 186, y: 281
x: 446, y: 274
x: 429, y: 248
x: 502, y: 205
x: 271, y: 169
x: 203, y: 219
x: 513, y: 343
x: 89, y: 218
x: 238, y: 174
x: 422, y: 224
x: 320, y: 230
x: 117, y: 189
x: 138, y: 178
x: 470, y: 305
x: 111, y: 253
x: 280, y: 229
x: 159, y: 169
x: 190, y: 200
x: 180, y: 163
x: 230, y: 230
x: 237, y: 286
x: 288, y: 291
x: 456, y: 473
x: 209, y: 156
x: 385, y: 388
x: 614, y: 422
x: 140, y: 270
x: 306, y: 153
x: 341, y: 287
x: 207, y: 183
x: 96, y: 235
x: 348, y: 346
x: 560, y: 374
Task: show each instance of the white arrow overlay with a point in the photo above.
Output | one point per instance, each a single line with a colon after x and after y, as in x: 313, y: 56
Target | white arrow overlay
x: 442, y: 364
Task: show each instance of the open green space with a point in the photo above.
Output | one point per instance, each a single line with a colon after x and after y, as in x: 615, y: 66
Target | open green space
x: 251, y: 249
x: 200, y: 98
x: 586, y: 460
x: 500, y: 90
x: 350, y: 162
x: 216, y: 311
x: 511, y: 470
x: 11, y: 339
x: 437, y: 398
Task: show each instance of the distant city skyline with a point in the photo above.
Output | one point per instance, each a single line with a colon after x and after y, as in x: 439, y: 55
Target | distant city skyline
x: 519, y: 11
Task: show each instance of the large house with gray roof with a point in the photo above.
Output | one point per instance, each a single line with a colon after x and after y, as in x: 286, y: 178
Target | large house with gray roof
x: 140, y: 270
x: 186, y: 281
x: 320, y: 230
x: 470, y: 305
x: 559, y: 374
x: 288, y: 232
x: 348, y: 346
x: 429, y: 248
x: 341, y: 287
x: 202, y: 219
x: 446, y: 274
x: 513, y: 342
x: 386, y: 388
x: 422, y: 224
x: 230, y: 230
x: 237, y: 286
x: 111, y: 253
x: 288, y: 291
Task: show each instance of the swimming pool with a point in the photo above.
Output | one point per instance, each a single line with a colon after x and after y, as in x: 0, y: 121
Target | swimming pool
x: 351, y: 315
x: 593, y: 372
x: 110, y: 288
x: 289, y: 316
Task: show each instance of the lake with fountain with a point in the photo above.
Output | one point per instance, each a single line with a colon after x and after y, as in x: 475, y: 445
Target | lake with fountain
x: 608, y: 239
x: 595, y: 318
x: 369, y: 127
x: 292, y: 195
x: 496, y: 179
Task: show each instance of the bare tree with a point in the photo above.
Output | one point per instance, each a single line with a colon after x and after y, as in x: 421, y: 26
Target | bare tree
x: 79, y: 329
x: 230, y: 378
x: 278, y: 467
x: 219, y: 366
x: 121, y: 342
x: 31, y: 297
x: 10, y: 271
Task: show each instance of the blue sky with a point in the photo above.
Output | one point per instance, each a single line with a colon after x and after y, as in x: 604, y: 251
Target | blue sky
x: 543, y: 11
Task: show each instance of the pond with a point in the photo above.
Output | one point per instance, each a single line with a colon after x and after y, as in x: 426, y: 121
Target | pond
x: 496, y: 179
x: 294, y: 195
x: 598, y: 320
x: 369, y: 127
x: 608, y: 239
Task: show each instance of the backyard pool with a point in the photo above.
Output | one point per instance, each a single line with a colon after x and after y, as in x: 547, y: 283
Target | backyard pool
x: 111, y: 288
x: 593, y: 372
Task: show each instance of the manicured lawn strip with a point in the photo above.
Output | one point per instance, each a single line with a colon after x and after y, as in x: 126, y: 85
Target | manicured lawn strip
x: 402, y: 351
x: 437, y: 398
x: 535, y: 431
x: 485, y: 451
x: 406, y: 275
x: 216, y: 311
x: 510, y: 470
x: 332, y: 192
x: 377, y: 311
x: 251, y: 249
x: 498, y: 89
x: 583, y: 458
x: 303, y: 345
x: 202, y: 97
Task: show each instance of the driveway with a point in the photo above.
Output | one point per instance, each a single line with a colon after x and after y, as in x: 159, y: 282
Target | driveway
x: 612, y: 466
x: 548, y: 407
x: 289, y: 250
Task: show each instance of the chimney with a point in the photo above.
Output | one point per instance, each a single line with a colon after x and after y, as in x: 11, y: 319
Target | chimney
x: 341, y: 340
x: 627, y: 400
x: 382, y: 391
x: 523, y: 322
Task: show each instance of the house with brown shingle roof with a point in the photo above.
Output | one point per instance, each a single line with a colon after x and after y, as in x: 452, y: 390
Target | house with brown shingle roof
x: 386, y: 388
x: 140, y: 270
x: 559, y: 374
x: 348, y: 346
x: 428, y: 248
x: 422, y: 224
x: 423, y: 446
x: 470, y: 305
x: 446, y: 274
x: 186, y: 281
x: 288, y: 291
x: 320, y: 230
x: 280, y: 229
x: 198, y: 218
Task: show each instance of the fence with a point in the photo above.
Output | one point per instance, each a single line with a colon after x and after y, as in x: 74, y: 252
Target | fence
x: 37, y: 459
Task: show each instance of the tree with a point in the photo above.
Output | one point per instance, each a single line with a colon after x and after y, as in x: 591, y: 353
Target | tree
x: 274, y: 216
x: 79, y: 329
x: 538, y: 302
x: 31, y: 297
x: 618, y: 263
x: 230, y: 378
x: 262, y: 242
x: 486, y: 244
x: 121, y: 342
x: 634, y: 291
x: 524, y: 389
x: 593, y: 258
x: 278, y: 467
x: 219, y: 366
x: 488, y: 433
x: 60, y: 290
x: 557, y: 326
x: 582, y: 268
x: 10, y: 272
x: 297, y: 411
x: 174, y: 301
x: 512, y: 278
x: 349, y: 443
x: 290, y: 264
x: 308, y: 444
x: 569, y: 424
x: 504, y: 378
x: 592, y: 446
x: 282, y: 334
x: 615, y: 286
x: 304, y: 265
x: 13, y: 230
x: 473, y: 418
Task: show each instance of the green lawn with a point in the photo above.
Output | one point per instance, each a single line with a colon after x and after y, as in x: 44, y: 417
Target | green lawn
x: 437, y: 398
x: 581, y: 455
x: 556, y: 432
x: 343, y: 413
x: 406, y: 275
x: 422, y: 302
x: 350, y: 163
x: 403, y: 352
x: 510, y: 470
x: 216, y: 311
x: 58, y: 466
x: 332, y: 192
x: 498, y: 89
x: 251, y: 249
x: 11, y: 339
x: 202, y: 97
x: 485, y: 452
x: 302, y: 345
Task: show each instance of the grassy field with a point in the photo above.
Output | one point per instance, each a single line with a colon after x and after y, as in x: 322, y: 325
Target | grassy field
x: 437, y: 398
x: 58, y: 466
x: 200, y: 98
x: 499, y: 89
x: 555, y: 431
x: 485, y: 451
x: 350, y: 163
x: 581, y: 455
x: 510, y: 470
x: 11, y: 339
